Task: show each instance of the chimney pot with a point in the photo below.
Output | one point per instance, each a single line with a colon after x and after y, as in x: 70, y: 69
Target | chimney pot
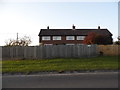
x: 73, y: 27
x: 47, y: 27
x: 98, y: 27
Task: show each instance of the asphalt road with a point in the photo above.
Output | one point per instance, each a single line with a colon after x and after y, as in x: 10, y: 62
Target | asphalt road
x: 75, y: 80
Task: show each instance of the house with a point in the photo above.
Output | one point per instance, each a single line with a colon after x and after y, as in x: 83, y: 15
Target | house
x: 68, y: 36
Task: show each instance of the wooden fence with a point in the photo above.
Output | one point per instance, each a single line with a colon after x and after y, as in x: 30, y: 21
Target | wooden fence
x: 48, y: 52
x: 109, y: 50
x: 0, y: 53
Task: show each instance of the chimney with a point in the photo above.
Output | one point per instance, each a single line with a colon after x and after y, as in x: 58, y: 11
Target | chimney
x: 47, y: 27
x: 73, y: 27
x: 99, y: 27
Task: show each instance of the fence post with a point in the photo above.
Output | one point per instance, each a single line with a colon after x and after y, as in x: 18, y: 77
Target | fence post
x: 1, y: 67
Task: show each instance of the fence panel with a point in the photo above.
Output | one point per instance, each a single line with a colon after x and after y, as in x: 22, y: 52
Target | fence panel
x: 109, y: 49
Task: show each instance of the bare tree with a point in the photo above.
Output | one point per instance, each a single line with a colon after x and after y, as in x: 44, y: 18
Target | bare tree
x: 24, y: 41
x: 118, y: 41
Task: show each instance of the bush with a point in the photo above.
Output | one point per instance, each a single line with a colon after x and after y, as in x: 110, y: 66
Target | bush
x: 94, y: 38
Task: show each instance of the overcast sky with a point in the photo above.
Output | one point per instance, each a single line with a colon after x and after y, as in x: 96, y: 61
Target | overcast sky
x: 28, y: 17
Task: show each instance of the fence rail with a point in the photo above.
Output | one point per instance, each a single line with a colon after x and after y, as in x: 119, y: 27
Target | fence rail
x: 48, y: 52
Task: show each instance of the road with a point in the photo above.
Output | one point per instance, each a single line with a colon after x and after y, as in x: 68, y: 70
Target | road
x: 74, y: 80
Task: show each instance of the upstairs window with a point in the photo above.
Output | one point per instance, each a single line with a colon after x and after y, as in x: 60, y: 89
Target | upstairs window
x: 80, y: 37
x: 56, y: 37
x: 45, y: 37
x: 70, y: 38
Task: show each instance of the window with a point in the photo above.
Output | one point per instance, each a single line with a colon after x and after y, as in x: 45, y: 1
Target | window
x: 70, y: 38
x: 80, y: 37
x: 48, y: 44
x: 56, y: 37
x: 89, y: 45
x: 80, y: 44
x: 70, y: 44
x: 45, y: 37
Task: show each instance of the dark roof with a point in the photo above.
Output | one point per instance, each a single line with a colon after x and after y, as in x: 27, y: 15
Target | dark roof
x: 46, y: 32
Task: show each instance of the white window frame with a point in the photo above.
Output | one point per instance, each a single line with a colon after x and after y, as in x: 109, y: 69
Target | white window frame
x: 56, y: 37
x: 69, y: 37
x: 80, y: 37
x: 45, y: 37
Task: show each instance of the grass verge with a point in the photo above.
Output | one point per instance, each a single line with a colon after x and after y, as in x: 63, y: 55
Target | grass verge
x: 26, y: 66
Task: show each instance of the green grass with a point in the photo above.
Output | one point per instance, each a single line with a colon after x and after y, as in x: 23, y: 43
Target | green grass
x: 96, y: 63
